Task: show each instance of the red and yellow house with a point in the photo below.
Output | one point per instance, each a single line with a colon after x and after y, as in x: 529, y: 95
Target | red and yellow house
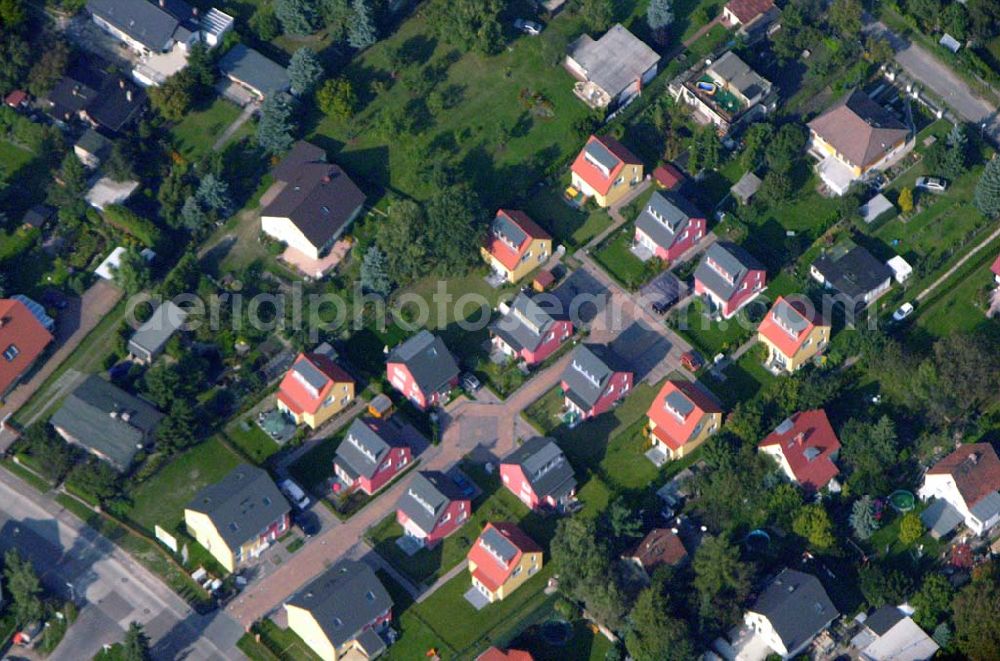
x: 515, y: 245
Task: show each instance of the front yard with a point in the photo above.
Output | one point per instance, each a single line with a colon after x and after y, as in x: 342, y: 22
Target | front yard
x: 707, y: 335
x: 616, y: 257
x: 195, y: 135
x: 569, y: 226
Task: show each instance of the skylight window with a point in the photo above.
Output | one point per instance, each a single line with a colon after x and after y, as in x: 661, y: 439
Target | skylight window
x: 11, y: 352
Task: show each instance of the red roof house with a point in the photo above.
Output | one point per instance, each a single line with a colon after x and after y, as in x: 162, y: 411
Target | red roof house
x: 745, y: 12
x: 681, y: 417
x: 515, y: 244
x: 432, y: 507
x: 996, y: 269
x: 668, y: 176
x: 605, y: 169
x: 497, y: 654
x: 502, y: 559
x: 314, y: 389
x: 23, y: 338
x: 968, y: 481
x: 793, y: 334
x: 805, y: 446
x: 16, y: 99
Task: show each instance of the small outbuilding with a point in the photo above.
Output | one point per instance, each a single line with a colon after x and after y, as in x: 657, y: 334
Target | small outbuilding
x: 875, y: 208
x: 950, y: 42
x: 901, y: 269
x: 744, y: 189
x: 150, y: 338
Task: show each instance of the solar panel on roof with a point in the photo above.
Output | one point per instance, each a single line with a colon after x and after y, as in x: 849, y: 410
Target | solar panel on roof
x: 312, y: 376
x: 785, y: 426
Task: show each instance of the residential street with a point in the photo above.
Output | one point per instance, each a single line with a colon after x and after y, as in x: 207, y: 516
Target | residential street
x: 112, y: 589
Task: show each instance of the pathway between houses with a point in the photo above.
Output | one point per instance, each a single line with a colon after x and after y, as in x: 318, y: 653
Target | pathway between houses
x: 969, y: 255
x: 248, y: 111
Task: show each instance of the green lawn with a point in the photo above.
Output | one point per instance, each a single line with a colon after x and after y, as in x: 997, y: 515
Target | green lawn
x: 315, y: 467
x: 569, y: 226
x: 520, y: 93
x: 711, y: 337
x: 195, y: 135
x: 161, y: 499
x: 583, y: 645
x: 615, y: 255
x: 251, y: 439
x: 744, y: 379
x: 12, y: 158
x: 960, y: 303
x: 275, y: 643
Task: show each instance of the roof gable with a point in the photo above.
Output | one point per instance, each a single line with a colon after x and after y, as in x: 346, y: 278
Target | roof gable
x: 428, y: 360
x: 601, y: 160
x: 723, y: 267
x: 975, y: 469
x: 498, y: 551
x: 851, y: 269
x: 545, y: 467
x: 363, y: 448
x: 511, y: 234
x: 808, y: 443
x: 679, y: 411
x: 859, y: 129
x: 427, y: 497
x: 797, y: 607
x: 241, y: 505
x: 23, y: 338
x: 787, y: 325
x: 586, y: 376
x: 307, y: 384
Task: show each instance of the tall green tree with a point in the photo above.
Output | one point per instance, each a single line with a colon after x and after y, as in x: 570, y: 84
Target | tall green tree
x: 597, y: 14
x: 655, y: 634
x: 813, y: 522
x: 336, y: 98
x: 297, y: 17
x: 659, y: 16
x: 870, y: 451
x: 721, y: 579
x: 862, y: 517
x: 136, y: 645
x: 975, y: 610
x: 274, y: 130
x: 845, y: 16
x: 402, y: 239
x: 454, y: 229
x: 361, y: 32
x: 24, y: 587
x: 933, y: 601
x: 473, y: 25
x: 304, y: 70
x: 132, y: 273
x: 585, y: 570
x: 986, y: 197
x: 374, y: 272
x: 881, y: 585
x: 213, y: 194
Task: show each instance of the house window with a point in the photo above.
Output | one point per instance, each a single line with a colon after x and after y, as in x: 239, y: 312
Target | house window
x: 405, y: 460
x: 517, y: 572
x: 461, y: 517
x: 506, y: 478
x: 619, y: 181
x: 446, y: 518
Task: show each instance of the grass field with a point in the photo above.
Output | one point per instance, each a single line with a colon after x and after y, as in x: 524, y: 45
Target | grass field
x: 161, y: 499
x: 569, y: 226
x: 252, y: 440
x: 195, y: 135
x: 615, y: 255
x: 711, y: 337
x: 520, y: 93
x: 960, y: 303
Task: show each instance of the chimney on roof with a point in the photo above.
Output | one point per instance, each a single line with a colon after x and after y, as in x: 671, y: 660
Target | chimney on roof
x: 121, y: 83
x: 800, y: 438
x: 974, y: 458
x: 326, y: 179
x: 128, y: 95
x: 163, y: 3
x: 113, y: 415
x: 3, y: 321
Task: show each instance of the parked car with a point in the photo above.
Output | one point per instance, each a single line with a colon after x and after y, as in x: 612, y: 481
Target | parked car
x: 691, y: 361
x: 528, y: 27
x: 471, y: 383
x: 904, y: 311
x: 308, y: 522
x: 463, y: 484
x: 932, y: 184
x: 294, y: 493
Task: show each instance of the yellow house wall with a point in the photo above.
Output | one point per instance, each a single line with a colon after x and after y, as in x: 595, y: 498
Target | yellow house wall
x: 629, y: 174
x: 340, y: 390
x: 537, y: 247
x: 819, y: 335
x: 712, y: 422
x: 203, y: 530
x: 305, y: 625
x: 528, y: 561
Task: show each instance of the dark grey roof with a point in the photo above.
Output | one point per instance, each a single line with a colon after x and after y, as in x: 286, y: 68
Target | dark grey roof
x: 679, y: 402
x: 505, y: 229
x: 427, y: 497
x: 38, y: 215
x: 107, y: 420
x: 525, y: 326
x: 254, y: 70
x: 987, y: 507
x: 732, y: 259
x: 301, y: 153
x: 345, y: 600
x: 119, y: 102
x: 545, y: 467
x: 883, y: 619
x: 602, y: 154
x: 663, y: 219
x: 152, y: 335
x: 788, y: 318
x: 320, y: 199
x: 362, y: 450
x: 241, y: 505
x: 851, y: 269
x: 941, y: 518
x: 498, y: 546
x: 94, y: 143
x: 586, y: 377
x: 311, y: 374
x: 430, y: 363
x: 797, y: 607
x: 143, y: 21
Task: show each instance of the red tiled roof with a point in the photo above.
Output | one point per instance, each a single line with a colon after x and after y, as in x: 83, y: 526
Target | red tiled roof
x: 996, y: 266
x: 489, y: 571
x: 808, y: 429
x: 788, y: 344
x: 23, y: 337
x: 593, y: 176
x: 297, y: 397
x: 667, y: 175
x: 975, y: 469
x: 747, y: 10
x: 661, y: 546
x: 672, y: 431
x: 501, y: 251
x: 544, y: 279
x: 497, y: 654
x: 16, y: 98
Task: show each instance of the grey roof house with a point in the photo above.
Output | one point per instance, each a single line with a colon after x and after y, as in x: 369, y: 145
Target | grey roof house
x: 313, y: 202
x: 432, y: 507
x: 590, y: 384
x: 527, y: 325
x: 106, y: 421
x: 664, y: 219
x: 341, y: 612
x: 546, y: 470
x: 149, y: 339
x: 143, y: 25
x: 610, y: 70
x: 852, y: 271
x: 251, y: 70
x: 92, y: 148
x: 790, y: 612
x: 431, y: 366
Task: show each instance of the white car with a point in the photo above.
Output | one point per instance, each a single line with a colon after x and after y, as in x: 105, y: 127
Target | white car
x: 528, y: 27
x: 904, y: 311
x: 932, y: 184
x: 294, y: 493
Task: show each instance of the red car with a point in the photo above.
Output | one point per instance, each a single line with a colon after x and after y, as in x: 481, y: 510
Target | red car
x: 692, y: 361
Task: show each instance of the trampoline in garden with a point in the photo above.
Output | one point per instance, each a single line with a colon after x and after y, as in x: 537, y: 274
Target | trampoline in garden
x: 902, y: 500
x: 757, y: 540
x: 557, y: 632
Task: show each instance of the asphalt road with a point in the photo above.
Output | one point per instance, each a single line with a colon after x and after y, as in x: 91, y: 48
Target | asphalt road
x: 112, y: 588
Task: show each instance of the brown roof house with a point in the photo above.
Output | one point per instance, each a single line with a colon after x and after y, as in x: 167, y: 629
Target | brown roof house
x: 964, y: 487
x: 661, y: 547
x: 311, y: 203
x: 749, y: 17
x: 855, y: 137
